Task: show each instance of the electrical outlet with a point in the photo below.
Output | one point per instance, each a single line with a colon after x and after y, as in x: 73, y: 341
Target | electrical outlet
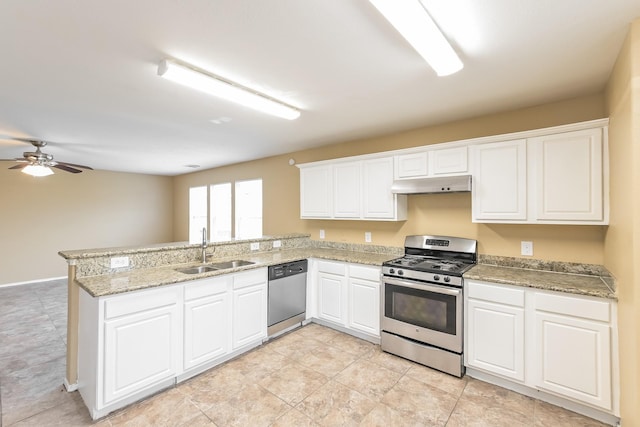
x: 367, y: 236
x: 255, y: 246
x: 322, y: 234
x: 526, y: 248
x: 277, y: 243
x: 120, y: 262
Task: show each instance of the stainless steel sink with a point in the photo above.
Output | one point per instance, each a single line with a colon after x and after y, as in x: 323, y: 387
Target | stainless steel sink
x: 197, y: 269
x: 230, y: 264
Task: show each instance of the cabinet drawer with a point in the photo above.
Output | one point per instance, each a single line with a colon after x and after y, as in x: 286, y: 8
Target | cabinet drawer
x: 249, y: 278
x: 573, y: 306
x: 366, y: 273
x: 332, y: 267
x: 141, y: 301
x: 205, y: 287
x: 497, y: 294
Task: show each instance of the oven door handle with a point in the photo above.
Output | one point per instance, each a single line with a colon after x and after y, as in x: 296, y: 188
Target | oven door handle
x: 423, y: 286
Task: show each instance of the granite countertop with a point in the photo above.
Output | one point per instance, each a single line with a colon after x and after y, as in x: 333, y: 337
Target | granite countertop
x: 126, y: 281
x: 581, y: 284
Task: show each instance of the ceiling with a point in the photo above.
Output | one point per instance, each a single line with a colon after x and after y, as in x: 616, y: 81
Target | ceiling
x: 83, y: 74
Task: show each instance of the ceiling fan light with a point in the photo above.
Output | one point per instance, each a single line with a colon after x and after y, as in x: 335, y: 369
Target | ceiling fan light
x: 37, y: 170
x: 221, y: 88
x: 412, y: 21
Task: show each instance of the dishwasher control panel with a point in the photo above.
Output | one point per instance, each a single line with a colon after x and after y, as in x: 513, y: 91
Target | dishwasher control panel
x: 288, y: 269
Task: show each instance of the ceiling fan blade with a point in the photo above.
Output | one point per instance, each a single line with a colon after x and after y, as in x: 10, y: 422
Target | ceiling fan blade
x: 15, y: 160
x: 19, y: 166
x: 66, y: 168
x: 74, y: 165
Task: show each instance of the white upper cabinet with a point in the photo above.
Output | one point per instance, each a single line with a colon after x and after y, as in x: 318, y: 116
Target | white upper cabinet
x: 432, y: 162
x: 316, y: 192
x: 558, y: 178
x: 556, y: 175
x: 412, y: 165
x: 358, y: 189
x: 568, y: 176
x: 500, y: 181
x: 377, y: 200
x: 448, y: 161
x: 346, y: 190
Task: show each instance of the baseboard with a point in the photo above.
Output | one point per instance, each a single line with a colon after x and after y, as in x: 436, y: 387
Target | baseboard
x: 70, y: 387
x: 50, y: 279
x: 587, y: 411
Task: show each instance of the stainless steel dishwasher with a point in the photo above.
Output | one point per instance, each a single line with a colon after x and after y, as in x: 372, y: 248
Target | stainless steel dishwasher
x: 287, y: 296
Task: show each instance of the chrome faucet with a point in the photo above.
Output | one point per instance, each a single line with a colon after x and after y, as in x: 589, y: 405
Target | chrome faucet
x: 204, y: 245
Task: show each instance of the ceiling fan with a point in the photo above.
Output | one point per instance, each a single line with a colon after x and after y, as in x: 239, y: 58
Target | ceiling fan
x: 37, y: 163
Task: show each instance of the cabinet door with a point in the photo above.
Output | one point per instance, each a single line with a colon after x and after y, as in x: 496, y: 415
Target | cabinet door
x: 377, y: 178
x: 573, y: 358
x: 316, y: 192
x: 249, y: 315
x: 495, y: 338
x: 139, y: 350
x: 448, y: 161
x: 206, y: 329
x: 569, y: 179
x: 500, y: 181
x: 411, y: 165
x: 346, y: 190
x: 364, y: 306
x: 331, y: 297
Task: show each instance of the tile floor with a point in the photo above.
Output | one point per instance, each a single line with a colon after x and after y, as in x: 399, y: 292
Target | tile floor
x: 314, y: 376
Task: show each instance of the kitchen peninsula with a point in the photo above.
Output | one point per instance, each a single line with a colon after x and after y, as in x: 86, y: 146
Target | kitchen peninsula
x: 112, y: 307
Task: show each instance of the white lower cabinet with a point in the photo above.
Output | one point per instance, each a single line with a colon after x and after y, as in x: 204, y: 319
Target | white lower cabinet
x: 573, y: 345
x: 207, y: 310
x: 553, y: 342
x: 495, y: 329
x: 128, y: 344
x: 141, y: 342
x: 347, y: 295
x: 364, y: 299
x: 249, y: 307
x: 134, y: 344
x: 332, y: 292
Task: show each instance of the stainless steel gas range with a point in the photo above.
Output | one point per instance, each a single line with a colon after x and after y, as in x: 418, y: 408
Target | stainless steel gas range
x: 422, y: 301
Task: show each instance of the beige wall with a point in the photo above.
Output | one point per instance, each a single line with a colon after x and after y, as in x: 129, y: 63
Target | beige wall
x: 41, y: 216
x: 448, y: 214
x: 622, y: 239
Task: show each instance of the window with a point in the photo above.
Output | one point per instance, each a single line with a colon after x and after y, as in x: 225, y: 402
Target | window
x: 220, y: 210
x: 197, y: 213
x: 248, y: 209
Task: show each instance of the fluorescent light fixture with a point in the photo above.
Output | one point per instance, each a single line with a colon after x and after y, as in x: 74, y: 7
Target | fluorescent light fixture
x: 412, y: 20
x: 217, y: 86
x: 37, y: 170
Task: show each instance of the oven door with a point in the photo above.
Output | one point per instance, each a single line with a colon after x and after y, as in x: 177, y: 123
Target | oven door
x: 424, y: 312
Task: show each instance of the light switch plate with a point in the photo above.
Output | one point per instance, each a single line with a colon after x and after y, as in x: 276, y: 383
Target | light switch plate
x: 255, y: 246
x: 526, y: 248
x: 120, y: 262
x: 322, y: 234
x: 277, y: 243
x: 367, y: 236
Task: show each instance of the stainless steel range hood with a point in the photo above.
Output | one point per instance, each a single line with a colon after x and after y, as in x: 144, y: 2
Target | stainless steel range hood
x: 443, y: 184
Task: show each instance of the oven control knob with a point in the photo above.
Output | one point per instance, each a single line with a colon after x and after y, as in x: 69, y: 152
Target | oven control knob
x: 436, y: 277
x: 447, y: 279
x: 400, y: 272
x: 391, y: 271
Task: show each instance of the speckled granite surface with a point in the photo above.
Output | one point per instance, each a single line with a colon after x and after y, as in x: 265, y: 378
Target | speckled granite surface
x: 126, y: 281
x: 581, y: 284
x: 156, y: 265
